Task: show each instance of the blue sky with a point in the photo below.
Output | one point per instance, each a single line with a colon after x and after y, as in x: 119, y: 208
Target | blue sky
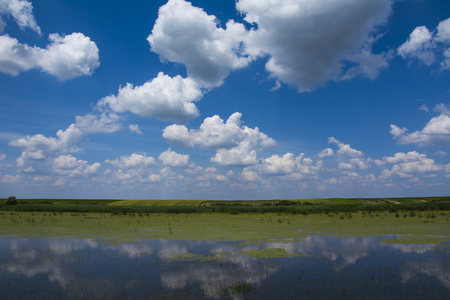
x: 223, y: 99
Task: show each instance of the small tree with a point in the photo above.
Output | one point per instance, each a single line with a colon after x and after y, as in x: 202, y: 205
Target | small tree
x: 11, y: 200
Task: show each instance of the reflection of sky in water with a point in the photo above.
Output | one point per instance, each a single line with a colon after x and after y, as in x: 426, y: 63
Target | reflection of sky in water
x: 327, y: 267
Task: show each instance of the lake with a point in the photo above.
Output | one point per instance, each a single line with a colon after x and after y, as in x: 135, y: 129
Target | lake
x: 315, y: 266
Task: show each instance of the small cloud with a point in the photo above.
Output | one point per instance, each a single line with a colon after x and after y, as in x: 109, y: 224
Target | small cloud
x: 441, y: 153
x: 277, y: 86
x: 345, y: 149
x: 172, y: 159
x: 221, y: 178
x: 135, y: 160
x: 397, y: 131
x: 424, y: 108
x: 249, y: 175
x: 328, y: 152
x: 135, y: 129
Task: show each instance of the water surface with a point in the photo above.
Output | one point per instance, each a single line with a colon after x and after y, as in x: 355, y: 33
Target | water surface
x: 311, y: 267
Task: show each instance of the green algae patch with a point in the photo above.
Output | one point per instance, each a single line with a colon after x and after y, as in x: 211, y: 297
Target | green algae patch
x: 191, y: 257
x: 417, y: 239
x: 271, y: 253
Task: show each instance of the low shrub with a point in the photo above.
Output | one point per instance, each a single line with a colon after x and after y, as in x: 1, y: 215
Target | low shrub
x: 11, y: 200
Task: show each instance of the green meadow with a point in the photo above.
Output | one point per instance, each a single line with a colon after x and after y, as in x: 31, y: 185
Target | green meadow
x: 250, y: 227
x: 249, y: 221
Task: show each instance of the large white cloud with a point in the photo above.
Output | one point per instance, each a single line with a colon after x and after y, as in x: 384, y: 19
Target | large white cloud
x: 16, y: 57
x: 310, y: 41
x: 165, y: 98
x: 236, y: 144
x: 186, y: 34
x: 21, y: 11
x: 427, y: 46
x: 435, y: 133
x: 66, y: 57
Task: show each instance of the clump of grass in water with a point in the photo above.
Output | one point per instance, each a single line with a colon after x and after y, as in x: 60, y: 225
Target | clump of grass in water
x: 191, y: 257
x: 240, y: 288
x: 416, y: 239
x: 271, y: 253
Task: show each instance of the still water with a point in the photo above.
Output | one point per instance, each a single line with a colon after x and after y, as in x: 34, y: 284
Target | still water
x: 308, y: 268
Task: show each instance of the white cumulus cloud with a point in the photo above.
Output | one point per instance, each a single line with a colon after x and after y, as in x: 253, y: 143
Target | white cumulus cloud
x: 135, y: 128
x: 213, y: 133
x: 69, y: 166
x: 328, y: 152
x: 186, y: 34
x: 419, y: 45
x: 172, y: 159
x: 66, y: 57
x: 165, y: 98
x: 288, y: 167
x: 241, y: 155
x: 345, y: 149
x: 236, y: 144
x: 435, y: 133
x: 428, y: 47
x: 21, y: 11
x: 245, y: 153
x: 407, y: 165
x: 69, y: 56
x: 133, y: 161
x: 249, y: 175
x: 37, y: 148
x: 309, y: 41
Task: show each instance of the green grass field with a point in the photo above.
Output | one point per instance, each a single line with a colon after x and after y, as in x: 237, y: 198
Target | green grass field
x: 251, y: 228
